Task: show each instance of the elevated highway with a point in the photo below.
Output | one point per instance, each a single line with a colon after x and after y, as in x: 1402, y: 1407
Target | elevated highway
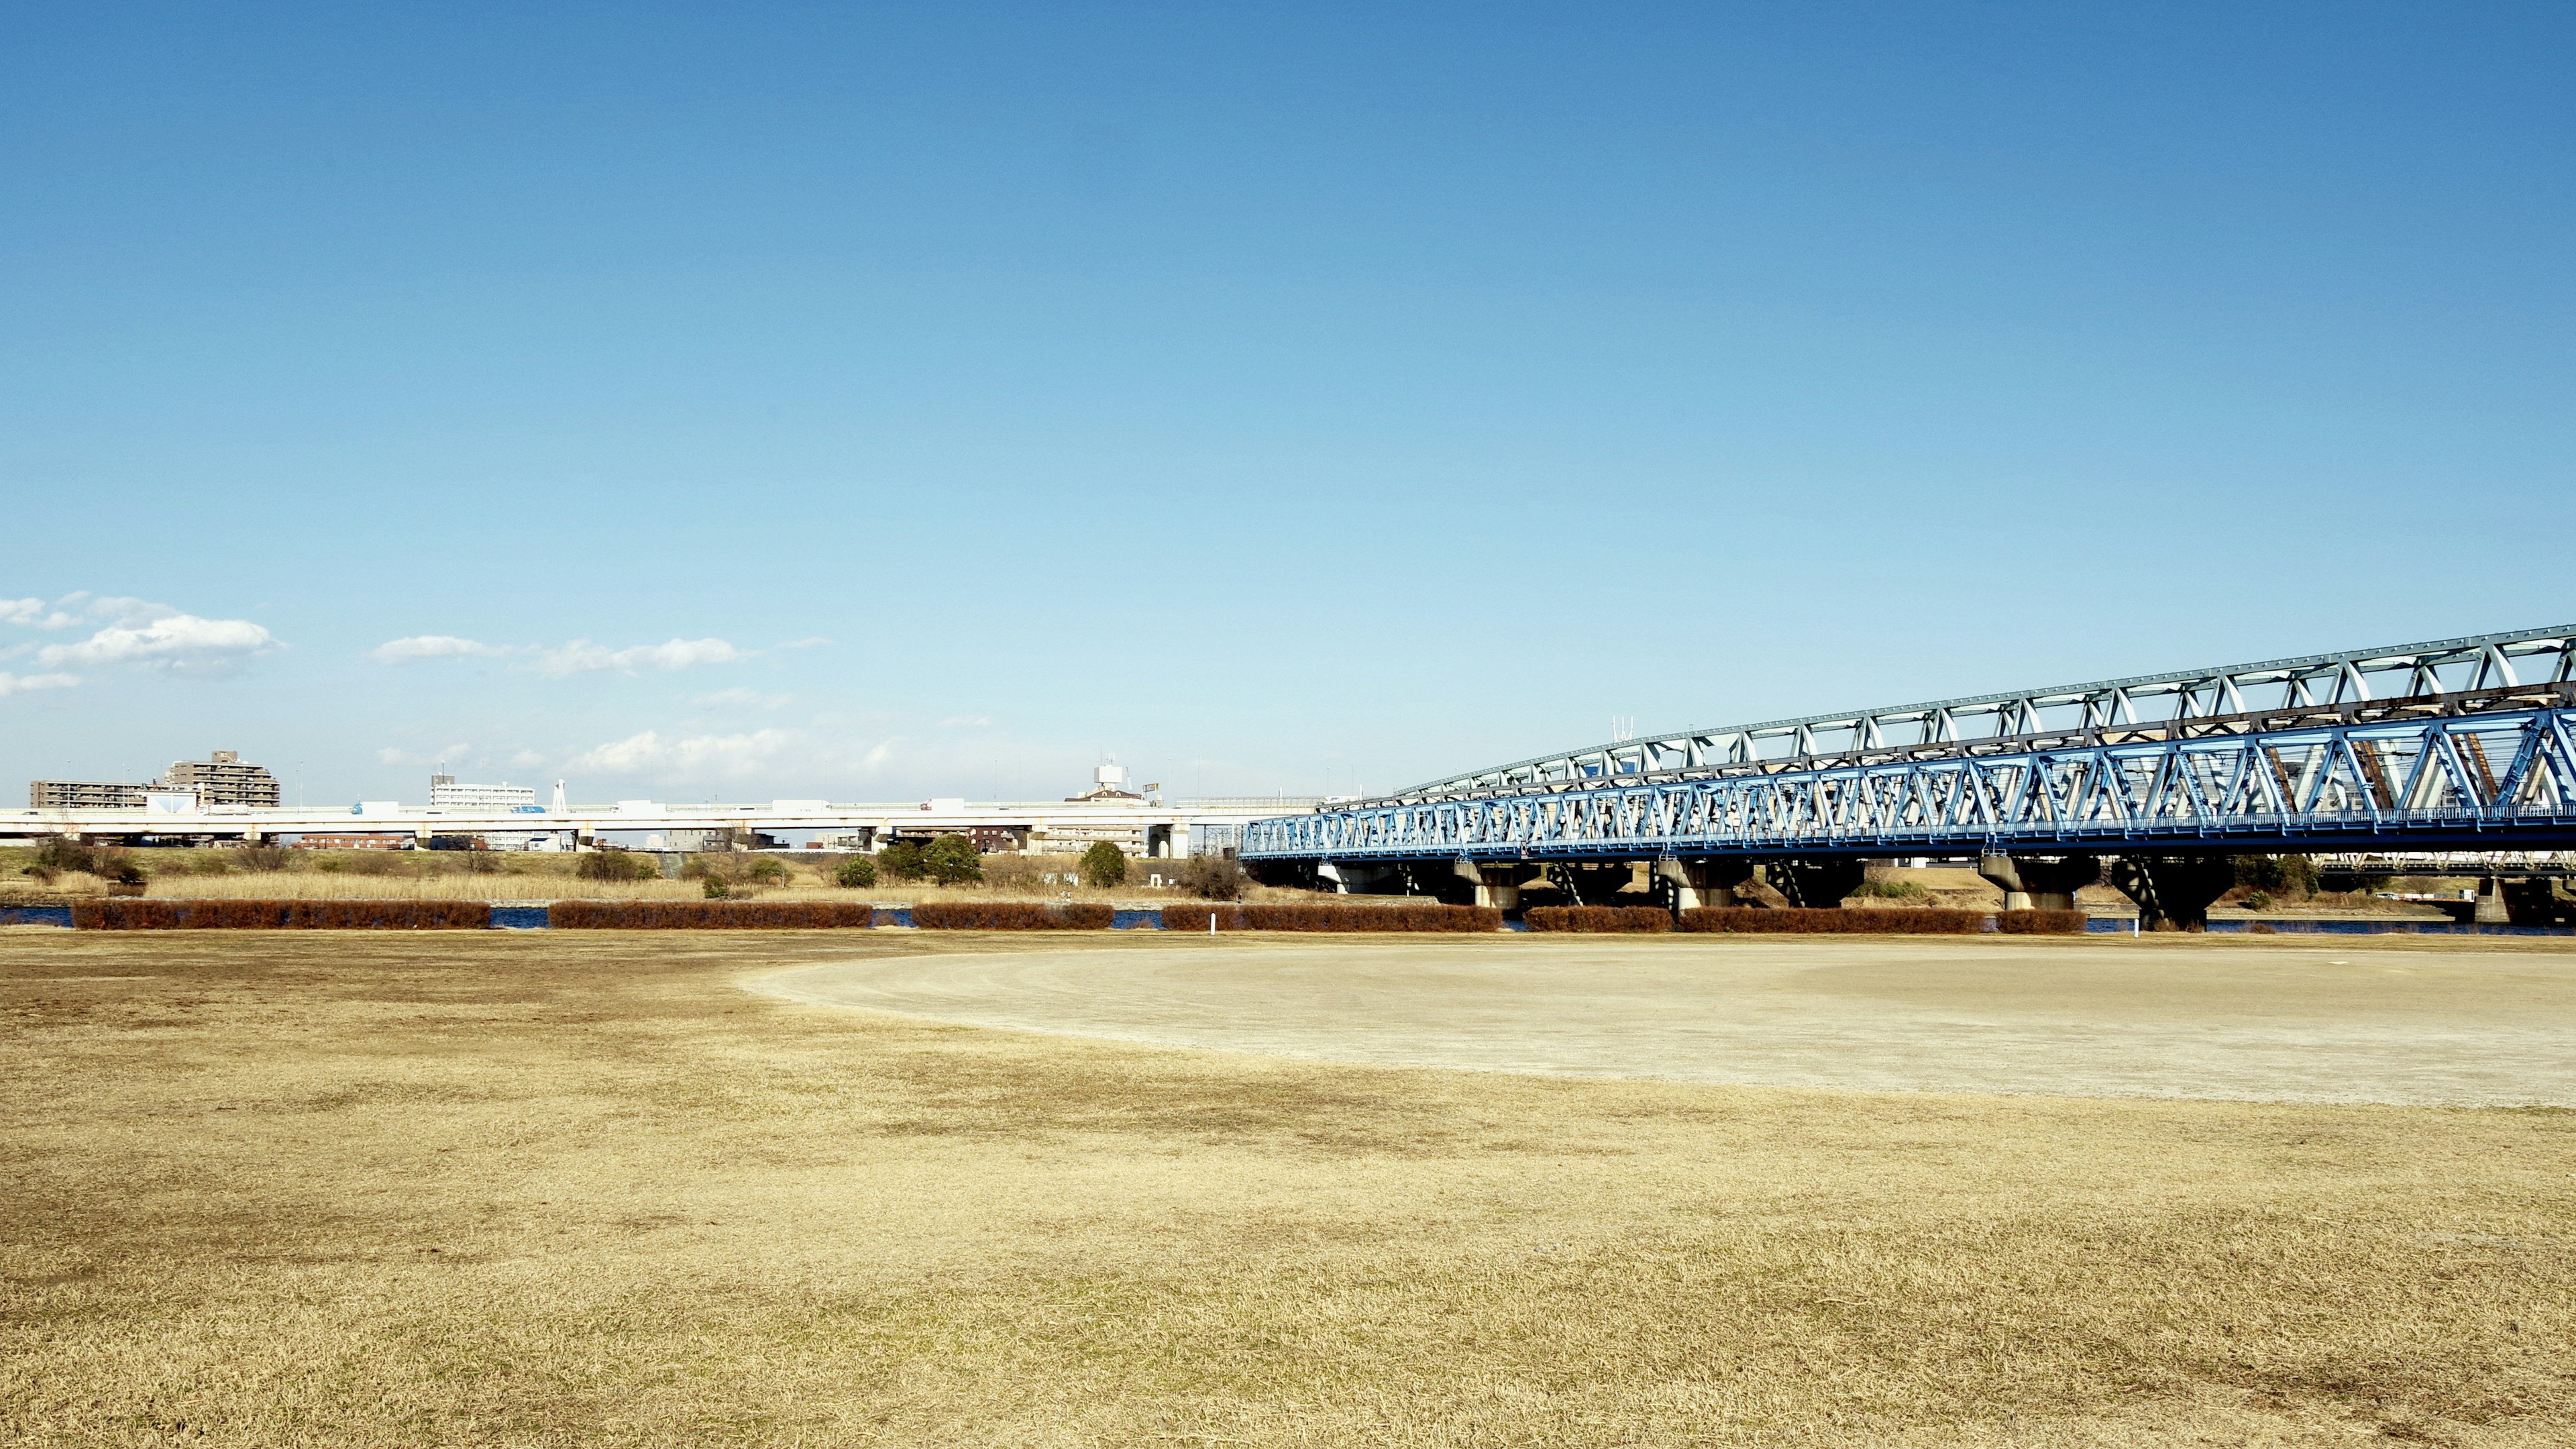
x: 1173, y: 829
x: 2451, y: 745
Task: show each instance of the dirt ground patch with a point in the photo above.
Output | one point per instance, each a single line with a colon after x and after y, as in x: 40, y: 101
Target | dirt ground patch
x: 355, y: 1189
x: 2164, y: 1016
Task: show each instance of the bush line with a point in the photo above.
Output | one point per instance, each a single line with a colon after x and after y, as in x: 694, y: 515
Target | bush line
x: 1834, y: 921
x: 1412, y: 916
x: 707, y: 915
x: 2040, y: 923
x: 1598, y: 918
x: 1011, y: 916
x: 150, y: 915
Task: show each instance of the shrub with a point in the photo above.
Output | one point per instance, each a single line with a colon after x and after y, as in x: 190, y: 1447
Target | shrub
x: 149, y: 915
x: 766, y: 870
x: 715, y: 889
x: 116, y: 867
x: 2040, y: 923
x: 1833, y: 921
x: 856, y: 873
x: 2278, y: 875
x: 1408, y: 916
x: 1196, y: 918
x: 265, y: 857
x: 901, y: 860
x: 617, y: 865
x: 1598, y: 918
x: 59, y: 856
x: 1010, y: 916
x: 1213, y: 877
x: 951, y: 860
x: 713, y: 915
x: 1104, y: 865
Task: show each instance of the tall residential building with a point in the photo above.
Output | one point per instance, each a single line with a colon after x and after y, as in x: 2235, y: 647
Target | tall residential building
x: 224, y: 780
x: 84, y: 794
x: 446, y: 794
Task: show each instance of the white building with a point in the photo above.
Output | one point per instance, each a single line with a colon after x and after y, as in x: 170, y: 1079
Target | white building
x: 446, y: 794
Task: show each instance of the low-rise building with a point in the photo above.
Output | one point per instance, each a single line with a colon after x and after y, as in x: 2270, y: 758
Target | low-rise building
x: 446, y: 794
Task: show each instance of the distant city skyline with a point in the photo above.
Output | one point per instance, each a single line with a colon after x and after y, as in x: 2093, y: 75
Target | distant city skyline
x: 879, y: 406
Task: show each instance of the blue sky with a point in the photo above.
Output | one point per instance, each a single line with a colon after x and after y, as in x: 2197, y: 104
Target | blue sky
x: 767, y: 400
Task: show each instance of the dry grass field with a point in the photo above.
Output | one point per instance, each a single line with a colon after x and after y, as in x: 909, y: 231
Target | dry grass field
x: 379, y: 1190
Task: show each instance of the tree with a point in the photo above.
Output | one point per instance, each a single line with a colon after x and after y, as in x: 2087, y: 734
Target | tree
x: 901, y: 860
x: 951, y: 860
x: 856, y: 873
x: 1104, y: 865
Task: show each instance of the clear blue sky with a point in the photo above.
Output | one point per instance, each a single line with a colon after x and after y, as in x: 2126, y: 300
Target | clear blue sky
x: 1273, y: 397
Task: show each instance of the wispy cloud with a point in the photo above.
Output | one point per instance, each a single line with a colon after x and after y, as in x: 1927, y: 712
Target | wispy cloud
x: 966, y: 721
x: 651, y: 754
x: 456, y: 753
x: 580, y: 656
x: 583, y: 657
x: 743, y: 699
x: 434, y: 646
x: 173, y: 641
x: 32, y: 614
x: 19, y: 683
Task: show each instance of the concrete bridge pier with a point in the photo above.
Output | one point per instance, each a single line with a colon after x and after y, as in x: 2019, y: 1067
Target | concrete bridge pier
x: 2037, y: 883
x: 2173, y: 892
x: 1498, y: 886
x: 1697, y: 883
x: 1348, y: 878
x: 2490, y: 909
x: 1590, y: 885
x: 1815, y: 882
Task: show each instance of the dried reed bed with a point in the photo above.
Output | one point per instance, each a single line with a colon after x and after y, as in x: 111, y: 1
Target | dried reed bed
x: 377, y: 1191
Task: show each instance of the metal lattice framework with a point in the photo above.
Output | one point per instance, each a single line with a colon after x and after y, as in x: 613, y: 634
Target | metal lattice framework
x: 2323, y: 765
x: 2180, y: 699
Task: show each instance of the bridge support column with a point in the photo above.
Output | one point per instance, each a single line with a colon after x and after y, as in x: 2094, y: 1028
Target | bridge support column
x: 2032, y: 883
x: 585, y: 837
x: 1590, y: 885
x: 1817, y: 882
x: 1348, y: 878
x: 2537, y: 902
x: 1498, y: 886
x: 1697, y: 883
x: 2173, y: 892
x: 2490, y: 910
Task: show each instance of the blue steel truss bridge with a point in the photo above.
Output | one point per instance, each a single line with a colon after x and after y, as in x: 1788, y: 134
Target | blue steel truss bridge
x: 2462, y: 745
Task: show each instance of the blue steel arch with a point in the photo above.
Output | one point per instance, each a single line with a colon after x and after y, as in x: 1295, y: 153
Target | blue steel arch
x: 2483, y: 768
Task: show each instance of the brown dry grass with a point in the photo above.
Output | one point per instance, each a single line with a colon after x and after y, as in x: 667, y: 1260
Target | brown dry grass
x: 359, y: 1190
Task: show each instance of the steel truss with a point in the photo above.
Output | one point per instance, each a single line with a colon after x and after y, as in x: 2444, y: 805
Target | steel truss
x: 2465, y: 770
x: 2152, y: 705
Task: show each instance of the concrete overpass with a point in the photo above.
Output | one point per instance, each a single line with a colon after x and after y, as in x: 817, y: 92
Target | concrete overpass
x: 1040, y: 827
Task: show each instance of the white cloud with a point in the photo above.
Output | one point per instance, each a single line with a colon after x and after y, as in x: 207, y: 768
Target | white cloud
x: 686, y: 756
x: 751, y: 698
x: 455, y: 753
x: 167, y: 641
x: 806, y: 643
x: 965, y: 721
x: 526, y: 759
x: 583, y: 657
x: 33, y: 614
x: 16, y: 683
x: 433, y: 646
